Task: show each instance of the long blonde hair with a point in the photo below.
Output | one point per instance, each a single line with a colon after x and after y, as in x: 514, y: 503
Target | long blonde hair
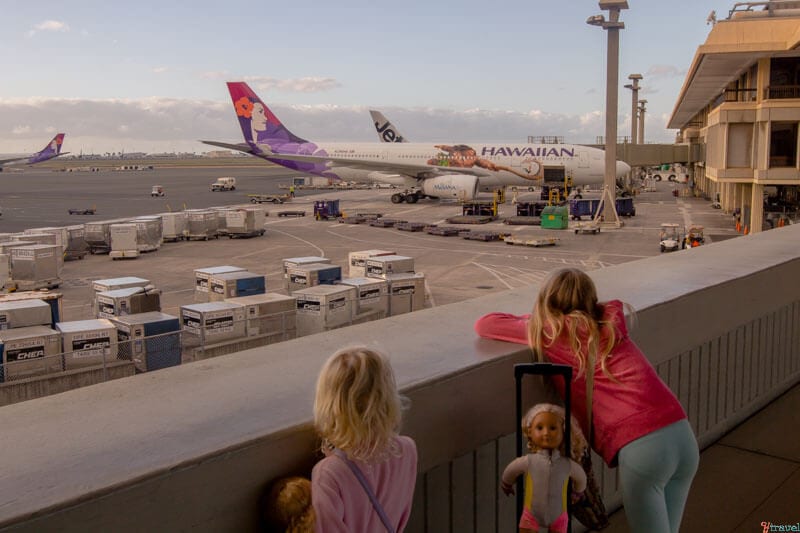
x: 577, y: 441
x: 288, y: 506
x: 357, y: 407
x: 568, y: 301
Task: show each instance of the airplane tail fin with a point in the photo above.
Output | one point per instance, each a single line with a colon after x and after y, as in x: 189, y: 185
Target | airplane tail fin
x: 387, y: 132
x: 259, y: 124
x: 53, y: 148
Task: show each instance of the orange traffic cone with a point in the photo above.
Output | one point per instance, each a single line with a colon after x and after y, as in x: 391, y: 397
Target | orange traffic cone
x: 738, y: 226
x: 746, y: 230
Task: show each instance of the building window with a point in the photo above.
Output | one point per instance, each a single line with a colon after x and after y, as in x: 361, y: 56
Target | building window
x: 740, y: 145
x: 784, y: 77
x: 783, y: 144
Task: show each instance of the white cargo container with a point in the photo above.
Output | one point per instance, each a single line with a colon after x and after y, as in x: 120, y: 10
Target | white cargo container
x: 222, y: 220
x: 42, y: 238
x: 233, y: 284
x: 36, y: 266
x: 5, y: 270
x: 324, y: 307
x: 292, y: 262
x: 380, y: 267
x: 269, y: 314
x: 406, y: 292
x: 98, y: 235
x: 358, y: 261
x: 24, y: 313
x: 213, y: 322
x: 151, y: 340
x: 28, y: 352
x: 173, y: 226
x: 202, y: 277
x: 372, y: 297
x: 5, y: 247
x: 303, y: 276
x: 149, y: 233
x: 201, y: 224
x: 124, y: 240
x: 61, y: 235
x: 77, y: 248
x: 53, y: 299
x: 128, y: 301
x: 245, y: 222
x: 88, y: 343
x: 111, y: 284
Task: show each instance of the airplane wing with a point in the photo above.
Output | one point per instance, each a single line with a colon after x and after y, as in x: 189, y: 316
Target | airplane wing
x: 13, y: 159
x: 413, y: 170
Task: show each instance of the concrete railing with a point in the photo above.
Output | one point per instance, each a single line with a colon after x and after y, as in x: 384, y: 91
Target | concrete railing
x: 192, y: 447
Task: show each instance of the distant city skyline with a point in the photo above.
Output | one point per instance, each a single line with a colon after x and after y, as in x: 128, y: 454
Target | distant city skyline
x: 150, y: 76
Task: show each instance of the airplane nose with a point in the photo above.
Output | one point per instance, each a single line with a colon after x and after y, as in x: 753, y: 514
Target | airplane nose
x: 622, y: 169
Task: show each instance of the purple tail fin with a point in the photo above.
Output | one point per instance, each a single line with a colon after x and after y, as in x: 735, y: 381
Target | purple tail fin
x: 53, y: 149
x: 259, y: 124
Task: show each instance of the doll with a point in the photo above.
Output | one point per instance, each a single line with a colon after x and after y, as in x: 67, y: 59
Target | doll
x: 288, y: 506
x: 547, y: 470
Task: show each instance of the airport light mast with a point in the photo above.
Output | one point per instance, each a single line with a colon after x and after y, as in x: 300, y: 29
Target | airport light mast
x: 634, y: 87
x: 612, y: 26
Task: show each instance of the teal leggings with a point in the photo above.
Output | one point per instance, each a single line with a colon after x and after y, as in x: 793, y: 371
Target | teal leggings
x: 656, y: 472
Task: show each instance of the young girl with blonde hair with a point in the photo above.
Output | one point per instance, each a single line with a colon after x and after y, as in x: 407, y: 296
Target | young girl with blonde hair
x: 366, y: 480
x: 636, y: 422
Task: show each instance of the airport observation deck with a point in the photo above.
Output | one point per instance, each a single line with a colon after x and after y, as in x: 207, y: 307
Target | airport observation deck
x: 192, y: 447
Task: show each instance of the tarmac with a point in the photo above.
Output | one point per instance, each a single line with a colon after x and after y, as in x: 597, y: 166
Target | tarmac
x: 749, y: 477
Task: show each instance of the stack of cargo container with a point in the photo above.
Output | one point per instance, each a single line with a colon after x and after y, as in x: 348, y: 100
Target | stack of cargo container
x: 292, y: 262
x: 358, y: 261
x: 380, y: 266
x: 202, y: 280
x: 127, y: 301
x: 304, y: 276
x: 324, y: 307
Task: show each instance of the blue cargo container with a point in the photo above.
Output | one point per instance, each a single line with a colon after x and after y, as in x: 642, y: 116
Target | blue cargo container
x: 234, y: 284
x: 588, y: 207
x: 151, y: 340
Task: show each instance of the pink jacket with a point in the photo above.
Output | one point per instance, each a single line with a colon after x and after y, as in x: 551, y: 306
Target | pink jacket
x: 622, y: 412
x: 342, y: 506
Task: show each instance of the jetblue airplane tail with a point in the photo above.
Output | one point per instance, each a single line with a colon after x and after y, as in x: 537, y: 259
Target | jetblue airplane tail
x: 259, y: 124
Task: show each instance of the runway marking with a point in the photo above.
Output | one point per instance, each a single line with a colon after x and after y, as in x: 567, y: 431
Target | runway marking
x: 317, y: 248
x: 493, y: 273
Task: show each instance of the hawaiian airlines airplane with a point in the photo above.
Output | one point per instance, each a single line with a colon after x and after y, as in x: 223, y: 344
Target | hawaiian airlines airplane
x: 436, y: 170
x: 53, y: 149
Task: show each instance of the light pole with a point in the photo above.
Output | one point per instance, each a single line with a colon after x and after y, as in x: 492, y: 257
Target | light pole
x: 612, y: 25
x: 642, y: 104
x: 634, y: 87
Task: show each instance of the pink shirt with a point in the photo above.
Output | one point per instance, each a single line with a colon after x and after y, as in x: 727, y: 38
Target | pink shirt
x: 342, y: 505
x: 622, y: 412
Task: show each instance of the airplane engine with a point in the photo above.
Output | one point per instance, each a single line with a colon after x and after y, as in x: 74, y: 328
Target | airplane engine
x: 459, y: 186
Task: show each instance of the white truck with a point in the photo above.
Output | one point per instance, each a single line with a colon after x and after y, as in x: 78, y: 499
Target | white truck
x: 224, y: 184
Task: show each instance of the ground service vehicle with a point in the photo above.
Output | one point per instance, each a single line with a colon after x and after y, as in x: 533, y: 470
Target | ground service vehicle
x: 157, y: 190
x: 268, y: 198
x: 326, y: 209
x: 671, y: 237
x: 224, y: 184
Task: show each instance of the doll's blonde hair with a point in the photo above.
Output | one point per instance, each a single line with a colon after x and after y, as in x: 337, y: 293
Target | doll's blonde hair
x: 577, y: 440
x: 357, y: 407
x: 568, y: 300
x: 288, y: 506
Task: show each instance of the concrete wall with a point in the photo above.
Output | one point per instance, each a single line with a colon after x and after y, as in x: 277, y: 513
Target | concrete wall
x: 192, y: 447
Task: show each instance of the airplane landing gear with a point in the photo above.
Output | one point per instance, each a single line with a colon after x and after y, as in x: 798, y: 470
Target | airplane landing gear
x: 410, y: 197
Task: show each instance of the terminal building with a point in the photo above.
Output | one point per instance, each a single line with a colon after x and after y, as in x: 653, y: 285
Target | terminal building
x: 741, y: 98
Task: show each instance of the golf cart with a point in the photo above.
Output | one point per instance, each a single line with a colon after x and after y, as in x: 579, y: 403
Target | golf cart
x: 694, y: 237
x: 157, y: 190
x: 671, y: 237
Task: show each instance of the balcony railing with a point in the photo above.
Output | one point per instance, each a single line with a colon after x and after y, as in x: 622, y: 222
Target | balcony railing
x: 192, y: 447
x: 740, y: 95
x: 782, y: 92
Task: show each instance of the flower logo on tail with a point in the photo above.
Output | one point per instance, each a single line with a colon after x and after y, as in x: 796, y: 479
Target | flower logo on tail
x: 244, y: 107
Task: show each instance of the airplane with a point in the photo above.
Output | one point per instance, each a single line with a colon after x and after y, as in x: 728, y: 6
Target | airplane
x: 53, y: 149
x: 434, y: 170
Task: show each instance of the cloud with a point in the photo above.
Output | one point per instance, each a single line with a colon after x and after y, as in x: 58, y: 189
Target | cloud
x: 298, y: 85
x: 664, y: 71
x: 214, y: 75
x: 171, y: 124
x: 48, y: 25
x: 160, y: 70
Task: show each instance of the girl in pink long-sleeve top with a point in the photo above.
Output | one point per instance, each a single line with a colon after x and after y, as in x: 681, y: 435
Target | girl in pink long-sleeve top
x: 637, y: 422
x: 357, y: 412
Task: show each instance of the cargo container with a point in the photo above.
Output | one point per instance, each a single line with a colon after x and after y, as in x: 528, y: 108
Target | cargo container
x: 151, y: 340
x: 42, y: 238
x: 372, y: 296
x: 212, y: 322
x: 233, y: 284
x: 28, y: 352
x: 201, y: 224
x: 555, y: 217
x: 124, y: 240
x: 202, y: 277
x: 128, y: 301
x: 303, y: 276
x: 5, y: 270
x: 299, y: 261
x: 51, y: 298
x: 358, y: 261
x: 111, y: 284
x: 86, y: 343
x: 149, y: 233
x: 222, y: 219
x: 245, y: 222
x: 324, y: 307
x: 379, y: 267
x: 37, y: 266
x: 173, y: 226
x: 24, y: 313
x: 406, y: 292
x: 269, y: 314
x: 77, y: 248
x: 98, y: 235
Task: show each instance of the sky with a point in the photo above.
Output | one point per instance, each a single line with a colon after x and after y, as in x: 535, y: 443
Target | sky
x: 149, y: 76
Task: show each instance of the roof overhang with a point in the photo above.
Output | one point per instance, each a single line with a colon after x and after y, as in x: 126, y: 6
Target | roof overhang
x: 730, y: 49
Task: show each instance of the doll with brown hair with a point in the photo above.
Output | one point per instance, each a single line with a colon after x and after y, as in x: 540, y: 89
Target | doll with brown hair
x: 547, y: 469
x: 287, y: 506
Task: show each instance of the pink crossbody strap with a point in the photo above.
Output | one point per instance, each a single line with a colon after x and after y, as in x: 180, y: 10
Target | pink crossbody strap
x: 365, y: 484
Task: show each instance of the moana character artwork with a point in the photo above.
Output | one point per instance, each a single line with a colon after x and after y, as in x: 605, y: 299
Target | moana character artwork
x: 463, y: 156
